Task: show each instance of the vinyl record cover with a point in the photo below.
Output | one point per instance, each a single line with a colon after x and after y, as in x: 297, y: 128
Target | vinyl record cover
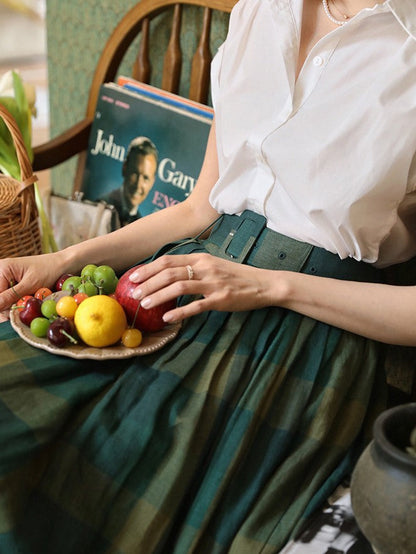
x: 178, y: 138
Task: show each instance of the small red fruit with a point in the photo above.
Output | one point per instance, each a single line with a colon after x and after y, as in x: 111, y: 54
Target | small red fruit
x: 31, y: 310
x: 21, y: 303
x: 145, y: 320
x: 80, y: 296
x: 60, y: 332
x: 42, y: 293
x: 61, y: 281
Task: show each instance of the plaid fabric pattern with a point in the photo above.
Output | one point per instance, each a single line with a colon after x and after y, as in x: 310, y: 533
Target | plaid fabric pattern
x: 222, y: 442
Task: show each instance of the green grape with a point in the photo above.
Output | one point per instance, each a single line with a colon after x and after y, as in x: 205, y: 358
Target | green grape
x: 89, y: 288
x: 112, y: 287
x: 39, y: 326
x: 88, y: 271
x: 105, y: 278
x: 48, y: 309
x: 72, y: 284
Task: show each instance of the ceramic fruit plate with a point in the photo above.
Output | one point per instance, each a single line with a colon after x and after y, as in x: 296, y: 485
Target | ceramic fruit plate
x: 151, y: 343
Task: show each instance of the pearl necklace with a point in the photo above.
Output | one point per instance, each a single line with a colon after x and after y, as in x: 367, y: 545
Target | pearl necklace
x: 331, y: 17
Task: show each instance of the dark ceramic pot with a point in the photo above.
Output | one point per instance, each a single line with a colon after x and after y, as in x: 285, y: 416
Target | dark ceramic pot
x: 383, y: 485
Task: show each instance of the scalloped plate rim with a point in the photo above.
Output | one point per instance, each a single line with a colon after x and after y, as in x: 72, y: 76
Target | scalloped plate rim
x: 151, y: 343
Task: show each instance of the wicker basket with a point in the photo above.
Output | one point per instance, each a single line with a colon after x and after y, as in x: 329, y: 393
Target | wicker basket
x: 19, y: 223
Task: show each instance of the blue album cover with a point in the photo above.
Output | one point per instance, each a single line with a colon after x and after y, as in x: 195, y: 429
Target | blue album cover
x: 145, y: 152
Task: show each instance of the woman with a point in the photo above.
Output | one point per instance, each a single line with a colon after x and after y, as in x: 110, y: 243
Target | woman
x: 225, y: 440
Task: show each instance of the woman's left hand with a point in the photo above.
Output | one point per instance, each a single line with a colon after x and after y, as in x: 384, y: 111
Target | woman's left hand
x: 218, y: 284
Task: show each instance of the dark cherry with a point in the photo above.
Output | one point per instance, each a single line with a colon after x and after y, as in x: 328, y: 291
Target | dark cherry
x: 60, y: 332
x: 32, y: 309
x: 61, y: 281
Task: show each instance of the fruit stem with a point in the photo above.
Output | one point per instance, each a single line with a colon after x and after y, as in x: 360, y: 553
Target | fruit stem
x: 135, y: 316
x: 69, y: 337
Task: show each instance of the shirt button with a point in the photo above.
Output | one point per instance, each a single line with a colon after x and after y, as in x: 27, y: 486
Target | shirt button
x: 318, y: 61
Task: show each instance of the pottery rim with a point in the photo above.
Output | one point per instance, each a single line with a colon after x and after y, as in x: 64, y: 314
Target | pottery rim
x: 382, y: 431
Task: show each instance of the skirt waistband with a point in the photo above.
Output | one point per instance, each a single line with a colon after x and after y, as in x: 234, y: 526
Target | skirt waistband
x: 246, y: 239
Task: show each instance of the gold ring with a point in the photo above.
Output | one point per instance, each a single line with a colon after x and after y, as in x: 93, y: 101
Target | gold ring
x: 190, y: 272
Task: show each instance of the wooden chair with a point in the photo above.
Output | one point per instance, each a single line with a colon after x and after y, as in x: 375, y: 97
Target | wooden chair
x: 137, y: 21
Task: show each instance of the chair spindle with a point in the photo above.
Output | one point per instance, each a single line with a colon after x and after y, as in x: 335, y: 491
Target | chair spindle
x: 173, y: 57
x: 200, y: 72
x: 141, y: 68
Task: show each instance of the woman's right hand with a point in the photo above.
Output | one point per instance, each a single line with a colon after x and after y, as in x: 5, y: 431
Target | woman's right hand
x: 20, y: 276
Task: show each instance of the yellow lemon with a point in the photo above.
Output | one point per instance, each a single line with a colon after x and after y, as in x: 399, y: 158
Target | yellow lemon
x: 100, y: 321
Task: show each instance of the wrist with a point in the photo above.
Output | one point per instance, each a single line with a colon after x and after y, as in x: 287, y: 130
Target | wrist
x: 68, y: 260
x: 280, y: 288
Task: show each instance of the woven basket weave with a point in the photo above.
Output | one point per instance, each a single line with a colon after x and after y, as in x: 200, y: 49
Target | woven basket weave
x: 19, y: 223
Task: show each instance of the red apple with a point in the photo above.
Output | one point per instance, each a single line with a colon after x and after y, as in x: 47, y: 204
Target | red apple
x: 149, y: 320
x: 61, y: 281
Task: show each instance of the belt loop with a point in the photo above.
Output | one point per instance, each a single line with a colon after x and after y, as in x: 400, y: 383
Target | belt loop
x: 230, y: 252
x: 242, y: 237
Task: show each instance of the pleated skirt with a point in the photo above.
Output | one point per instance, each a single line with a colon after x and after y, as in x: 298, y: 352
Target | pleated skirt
x: 224, y: 441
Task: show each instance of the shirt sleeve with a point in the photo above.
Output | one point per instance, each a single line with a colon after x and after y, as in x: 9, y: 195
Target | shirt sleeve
x: 238, y: 22
x: 215, y: 74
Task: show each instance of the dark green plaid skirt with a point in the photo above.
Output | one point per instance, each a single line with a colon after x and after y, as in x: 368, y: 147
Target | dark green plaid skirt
x: 223, y: 441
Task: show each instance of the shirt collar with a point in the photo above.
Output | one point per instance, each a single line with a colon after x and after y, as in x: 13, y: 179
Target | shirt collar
x: 403, y: 10
x: 405, y: 13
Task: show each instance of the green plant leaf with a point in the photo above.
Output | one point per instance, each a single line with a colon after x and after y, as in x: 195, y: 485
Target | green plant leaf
x: 19, y: 109
x: 23, y: 112
x: 9, y: 164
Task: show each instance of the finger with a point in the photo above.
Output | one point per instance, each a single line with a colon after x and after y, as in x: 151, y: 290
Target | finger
x: 146, y: 271
x: 8, y: 298
x: 188, y: 310
x: 6, y: 281
x: 190, y: 272
x: 4, y: 316
x: 173, y: 291
x: 164, y: 279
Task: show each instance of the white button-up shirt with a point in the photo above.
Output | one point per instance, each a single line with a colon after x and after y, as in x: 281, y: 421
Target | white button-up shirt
x: 329, y: 158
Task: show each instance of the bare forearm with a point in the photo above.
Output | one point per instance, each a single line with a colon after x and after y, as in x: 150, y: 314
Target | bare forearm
x: 382, y: 312
x: 138, y: 240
